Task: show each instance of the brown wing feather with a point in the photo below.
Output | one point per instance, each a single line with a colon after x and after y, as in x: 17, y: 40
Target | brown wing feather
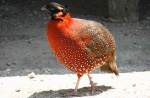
x: 100, y: 40
x: 100, y: 43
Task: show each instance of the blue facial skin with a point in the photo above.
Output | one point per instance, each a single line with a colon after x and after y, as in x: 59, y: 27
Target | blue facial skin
x: 54, y: 8
x: 53, y: 11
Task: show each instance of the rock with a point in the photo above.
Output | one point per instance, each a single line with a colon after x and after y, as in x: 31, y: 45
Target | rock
x: 134, y: 85
x: 31, y: 75
x: 18, y: 90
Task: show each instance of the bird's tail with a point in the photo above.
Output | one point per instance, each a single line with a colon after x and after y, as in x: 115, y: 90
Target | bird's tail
x: 110, y: 67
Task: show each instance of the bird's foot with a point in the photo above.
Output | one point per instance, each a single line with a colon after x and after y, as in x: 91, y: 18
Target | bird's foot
x: 93, y: 87
x: 74, y: 93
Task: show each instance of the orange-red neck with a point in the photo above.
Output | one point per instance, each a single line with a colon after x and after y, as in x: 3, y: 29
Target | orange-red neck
x: 58, y: 29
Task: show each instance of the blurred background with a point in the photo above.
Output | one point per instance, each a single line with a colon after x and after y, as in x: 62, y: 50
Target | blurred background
x: 23, y: 41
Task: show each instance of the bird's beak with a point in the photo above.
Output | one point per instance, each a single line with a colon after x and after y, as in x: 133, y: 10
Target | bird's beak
x: 44, y: 8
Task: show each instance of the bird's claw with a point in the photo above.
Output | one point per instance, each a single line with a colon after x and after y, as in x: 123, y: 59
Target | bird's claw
x: 93, y: 86
x: 74, y: 93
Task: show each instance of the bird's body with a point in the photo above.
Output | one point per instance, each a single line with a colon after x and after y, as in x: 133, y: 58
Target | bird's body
x: 81, y: 45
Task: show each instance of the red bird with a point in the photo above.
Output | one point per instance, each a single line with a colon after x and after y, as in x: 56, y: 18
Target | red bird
x: 81, y: 45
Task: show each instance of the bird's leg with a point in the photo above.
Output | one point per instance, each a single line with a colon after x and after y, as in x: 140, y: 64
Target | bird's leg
x: 77, y: 84
x: 91, y: 83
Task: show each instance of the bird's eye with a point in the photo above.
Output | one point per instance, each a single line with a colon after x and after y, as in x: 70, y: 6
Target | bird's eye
x: 52, y: 9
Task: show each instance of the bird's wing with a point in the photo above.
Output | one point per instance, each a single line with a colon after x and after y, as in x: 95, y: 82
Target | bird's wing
x: 96, y: 38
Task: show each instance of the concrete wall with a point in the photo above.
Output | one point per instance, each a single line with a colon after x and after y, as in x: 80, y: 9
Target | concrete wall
x: 87, y: 7
x: 124, y: 10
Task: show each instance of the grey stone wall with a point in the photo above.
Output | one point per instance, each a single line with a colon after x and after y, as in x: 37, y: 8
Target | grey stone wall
x: 87, y: 7
x: 124, y: 10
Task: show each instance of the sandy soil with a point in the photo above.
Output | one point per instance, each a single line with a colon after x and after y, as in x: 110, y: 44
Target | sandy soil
x: 127, y: 85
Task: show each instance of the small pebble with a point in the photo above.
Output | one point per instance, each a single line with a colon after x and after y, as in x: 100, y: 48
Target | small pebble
x: 133, y: 85
x: 18, y: 90
x: 31, y: 75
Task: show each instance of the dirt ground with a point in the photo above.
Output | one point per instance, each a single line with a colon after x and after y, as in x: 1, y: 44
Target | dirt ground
x: 127, y: 85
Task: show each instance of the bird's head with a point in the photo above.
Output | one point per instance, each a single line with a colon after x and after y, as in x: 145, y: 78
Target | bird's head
x: 55, y: 10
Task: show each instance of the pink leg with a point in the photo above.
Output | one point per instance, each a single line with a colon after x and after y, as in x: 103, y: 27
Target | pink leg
x: 78, y: 81
x: 91, y: 83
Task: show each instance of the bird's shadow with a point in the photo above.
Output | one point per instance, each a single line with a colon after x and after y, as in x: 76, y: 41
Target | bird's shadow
x: 67, y: 93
